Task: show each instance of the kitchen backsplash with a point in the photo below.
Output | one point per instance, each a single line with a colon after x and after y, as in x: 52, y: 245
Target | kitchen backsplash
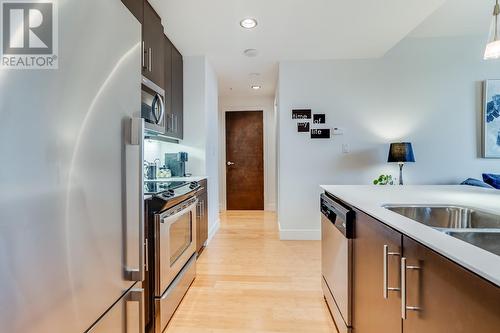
x: 157, y: 149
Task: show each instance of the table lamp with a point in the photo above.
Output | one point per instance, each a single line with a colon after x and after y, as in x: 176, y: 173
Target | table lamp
x: 401, y: 152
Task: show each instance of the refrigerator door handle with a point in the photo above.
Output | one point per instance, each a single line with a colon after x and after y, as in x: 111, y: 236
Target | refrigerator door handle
x: 134, y: 323
x: 137, y: 139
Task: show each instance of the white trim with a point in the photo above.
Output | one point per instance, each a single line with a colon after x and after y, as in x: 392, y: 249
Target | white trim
x: 269, y: 125
x: 213, y: 230
x: 299, y: 234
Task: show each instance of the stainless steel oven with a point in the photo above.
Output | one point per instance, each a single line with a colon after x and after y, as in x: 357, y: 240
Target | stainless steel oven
x: 175, y: 259
x: 153, y: 106
x: 337, y: 229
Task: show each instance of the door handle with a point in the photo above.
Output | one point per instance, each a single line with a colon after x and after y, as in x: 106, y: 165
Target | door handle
x: 386, y: 271
x: 150, y: 53
x: 133, y: 325
x: 404, y: 307
x: 229, y: 163
x: 137, y: 139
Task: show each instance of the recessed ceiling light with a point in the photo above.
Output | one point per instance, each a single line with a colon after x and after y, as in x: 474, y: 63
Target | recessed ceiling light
x: 256, y: 87
x: 248, y: 23
x: 251, y: 53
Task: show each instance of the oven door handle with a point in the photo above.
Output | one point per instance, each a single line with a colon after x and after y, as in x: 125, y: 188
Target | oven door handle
x: 174, y: 216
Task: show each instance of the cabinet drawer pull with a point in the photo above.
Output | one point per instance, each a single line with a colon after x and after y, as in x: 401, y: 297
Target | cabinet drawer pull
x: 386, y: 271
x: 404, y: 307
x: 150, y: 59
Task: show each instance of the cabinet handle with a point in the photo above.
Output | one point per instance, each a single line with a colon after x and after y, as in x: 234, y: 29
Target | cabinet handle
x: 150, y: 53
x: 143, y: 56
x: 147, y: 254
x: 404, y: 307
x: 202, y: 208
x: 386, y: 271
x: 132, y: 326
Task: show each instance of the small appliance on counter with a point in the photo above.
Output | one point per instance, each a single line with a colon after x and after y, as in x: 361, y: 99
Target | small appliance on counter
x: 176, y: 162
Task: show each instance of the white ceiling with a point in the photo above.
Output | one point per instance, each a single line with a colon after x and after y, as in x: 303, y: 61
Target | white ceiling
x: 458, y: 18
x: 302, y: 30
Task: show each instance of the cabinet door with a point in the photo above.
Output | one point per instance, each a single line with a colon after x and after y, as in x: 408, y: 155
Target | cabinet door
x: 177, y: 93
x: 136, y: 7
x: 199, y: 220
x: 152, y: 34
x: 450, y: 298
x: 169, y: 126
x: 126, y: 315
x: 376, y: 247
x: 204, y: 217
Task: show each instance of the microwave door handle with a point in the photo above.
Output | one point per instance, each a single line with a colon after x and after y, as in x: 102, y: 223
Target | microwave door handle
x: 161, y: 107
x: 154, y: 105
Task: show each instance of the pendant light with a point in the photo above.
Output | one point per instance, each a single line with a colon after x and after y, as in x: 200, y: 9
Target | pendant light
x: 493, y: 47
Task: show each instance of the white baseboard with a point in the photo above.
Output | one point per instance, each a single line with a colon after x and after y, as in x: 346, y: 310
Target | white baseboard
x: 299, y: 234
x: 213, y: 230
x: 271, y: 206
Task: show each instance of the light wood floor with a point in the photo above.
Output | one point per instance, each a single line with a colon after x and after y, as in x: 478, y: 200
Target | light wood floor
x: 250, y: 281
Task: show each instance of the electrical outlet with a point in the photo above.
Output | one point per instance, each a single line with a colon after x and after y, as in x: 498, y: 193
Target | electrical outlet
x: 345, y: 148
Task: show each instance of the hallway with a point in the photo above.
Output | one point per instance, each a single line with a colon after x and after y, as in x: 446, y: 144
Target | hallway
x: 250, y: 281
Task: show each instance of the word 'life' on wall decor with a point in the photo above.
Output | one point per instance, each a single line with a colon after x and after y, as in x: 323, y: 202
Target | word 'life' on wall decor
x: 319, y: 118
x: 303, y: 127
x: 301, y: 114
x: 320, y: 133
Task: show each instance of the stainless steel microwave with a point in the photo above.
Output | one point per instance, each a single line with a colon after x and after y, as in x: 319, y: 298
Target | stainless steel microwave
x: 153, y: 106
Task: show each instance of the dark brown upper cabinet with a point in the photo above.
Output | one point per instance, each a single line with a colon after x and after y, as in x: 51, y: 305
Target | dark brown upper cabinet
x: 153, y: 60
x: 177, y: 94
x: 168, y: 47
x: 136, y: 7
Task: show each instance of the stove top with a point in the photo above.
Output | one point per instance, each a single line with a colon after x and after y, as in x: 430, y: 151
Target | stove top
x: 152, y: 187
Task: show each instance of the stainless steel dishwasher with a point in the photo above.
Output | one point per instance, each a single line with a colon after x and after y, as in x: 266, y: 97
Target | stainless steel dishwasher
x: 337, y: 229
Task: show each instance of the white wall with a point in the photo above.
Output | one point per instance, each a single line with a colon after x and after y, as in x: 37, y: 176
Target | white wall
x: 427, y: 91
x: 248, y: 103
x: 201, y: 128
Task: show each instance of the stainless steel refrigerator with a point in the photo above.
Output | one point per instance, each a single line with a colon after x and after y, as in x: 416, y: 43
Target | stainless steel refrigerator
x: 71, y: 247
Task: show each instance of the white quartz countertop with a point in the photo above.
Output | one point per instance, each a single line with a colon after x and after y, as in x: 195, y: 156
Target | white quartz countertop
x: 370, y: 199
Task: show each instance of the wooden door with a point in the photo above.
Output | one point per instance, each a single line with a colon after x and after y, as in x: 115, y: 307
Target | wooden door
x: 245, y: 160
x: 177, y: 94
x: 372, y: 312
x: 450, y: 298
x: 152, y: 34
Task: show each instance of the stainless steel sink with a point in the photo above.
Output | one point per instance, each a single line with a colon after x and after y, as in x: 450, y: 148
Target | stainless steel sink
x: 470, y: 225
x: 448, y: 217
x: 489, y: 241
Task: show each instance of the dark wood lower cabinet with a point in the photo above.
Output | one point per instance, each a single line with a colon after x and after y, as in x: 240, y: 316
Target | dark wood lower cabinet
x: 202, y: 218
x: 451, y: 298
x: 441, y: 295
x: 371, y: 311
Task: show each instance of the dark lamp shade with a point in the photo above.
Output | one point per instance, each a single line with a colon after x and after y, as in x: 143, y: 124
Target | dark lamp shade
x: 401, y: 152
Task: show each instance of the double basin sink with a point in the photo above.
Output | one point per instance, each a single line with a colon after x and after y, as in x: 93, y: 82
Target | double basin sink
x: 470, y: 225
